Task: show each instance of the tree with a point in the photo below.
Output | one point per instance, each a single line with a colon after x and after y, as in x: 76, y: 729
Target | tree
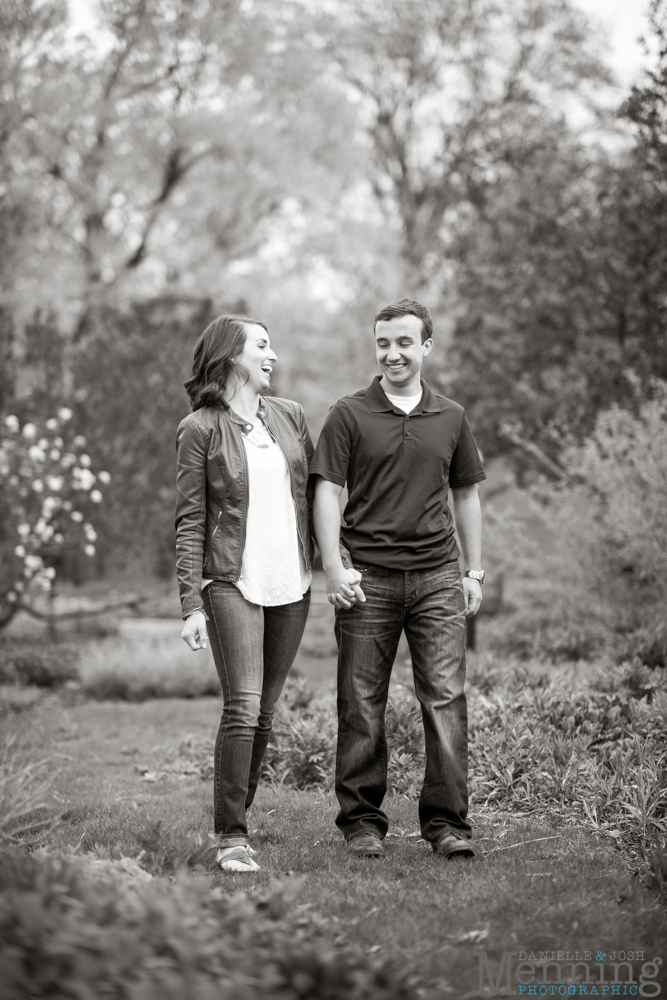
x: 454, y: 95
x: 562, y: 283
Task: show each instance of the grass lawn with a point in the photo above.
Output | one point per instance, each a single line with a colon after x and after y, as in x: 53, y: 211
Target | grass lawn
x: 113, y: 772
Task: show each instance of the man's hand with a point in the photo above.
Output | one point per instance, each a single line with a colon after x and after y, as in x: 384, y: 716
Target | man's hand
x: 194, y: 631
x: 343, y: 588
x: 472, y: 591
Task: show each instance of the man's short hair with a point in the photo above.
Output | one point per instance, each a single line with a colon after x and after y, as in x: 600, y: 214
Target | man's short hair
x: 407, y: 307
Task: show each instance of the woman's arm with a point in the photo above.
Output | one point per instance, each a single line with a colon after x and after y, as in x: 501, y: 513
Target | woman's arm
x: 191, y: 452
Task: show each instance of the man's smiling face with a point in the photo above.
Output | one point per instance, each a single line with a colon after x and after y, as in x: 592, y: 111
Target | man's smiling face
x: 400, y: 352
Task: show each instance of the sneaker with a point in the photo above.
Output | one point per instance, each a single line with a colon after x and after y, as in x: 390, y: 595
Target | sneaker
x: 236, y: 859
x: 450, y: 846
x: 365, y: 845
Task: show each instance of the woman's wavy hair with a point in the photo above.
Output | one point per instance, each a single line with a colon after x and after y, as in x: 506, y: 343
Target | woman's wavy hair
x: 213, y: 364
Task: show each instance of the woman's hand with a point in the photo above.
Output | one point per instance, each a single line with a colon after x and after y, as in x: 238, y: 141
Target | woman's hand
x: 194, y: 631
x: 343, y: 588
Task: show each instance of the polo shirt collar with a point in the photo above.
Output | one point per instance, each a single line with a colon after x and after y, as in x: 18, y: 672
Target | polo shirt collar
x: 378, y: 402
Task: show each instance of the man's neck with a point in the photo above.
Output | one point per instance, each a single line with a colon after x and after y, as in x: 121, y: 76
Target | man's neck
x: 411, y: 388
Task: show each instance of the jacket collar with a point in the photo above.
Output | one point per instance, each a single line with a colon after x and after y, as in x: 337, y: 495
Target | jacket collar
x: 236, y: 419
x: 378, y: 402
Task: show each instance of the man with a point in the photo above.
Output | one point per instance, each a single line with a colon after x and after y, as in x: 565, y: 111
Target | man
x: 399, y: 446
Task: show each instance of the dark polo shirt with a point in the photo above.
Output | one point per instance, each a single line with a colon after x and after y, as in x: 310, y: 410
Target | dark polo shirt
x: 398, y: 469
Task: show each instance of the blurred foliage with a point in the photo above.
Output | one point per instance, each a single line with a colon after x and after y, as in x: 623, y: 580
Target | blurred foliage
x: 81, y: 928
x: 45, y: 478
x: 36, y: 663
x: 596, y: 583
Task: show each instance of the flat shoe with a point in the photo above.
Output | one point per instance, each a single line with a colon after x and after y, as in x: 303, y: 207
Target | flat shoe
x: 236, y: 859
x: 450, y: 846
x: 366, y: 845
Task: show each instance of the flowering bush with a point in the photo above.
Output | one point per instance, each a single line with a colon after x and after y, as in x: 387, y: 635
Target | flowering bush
x: 47, y: 488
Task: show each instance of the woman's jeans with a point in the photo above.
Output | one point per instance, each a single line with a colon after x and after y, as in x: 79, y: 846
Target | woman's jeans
x: 253, y: 648
x: 430, y: 606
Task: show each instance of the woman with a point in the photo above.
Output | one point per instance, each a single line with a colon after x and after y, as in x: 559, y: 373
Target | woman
x: 243, y: 552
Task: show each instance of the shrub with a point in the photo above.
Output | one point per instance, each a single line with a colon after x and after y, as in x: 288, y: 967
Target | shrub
x: 26, y: 662
x: 590, y: 742
x: 597, y: 583
x: 62, y: 934
x: 46, y: 490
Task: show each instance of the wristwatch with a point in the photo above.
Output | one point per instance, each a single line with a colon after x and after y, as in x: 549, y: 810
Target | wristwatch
x: 475, y: 574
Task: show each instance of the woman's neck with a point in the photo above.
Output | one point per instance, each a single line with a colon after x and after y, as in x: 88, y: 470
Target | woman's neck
x: 245, y: 402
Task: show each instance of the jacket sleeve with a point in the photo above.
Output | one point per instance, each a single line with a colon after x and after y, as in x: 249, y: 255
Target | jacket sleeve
x: 310, y: 485
x: 191, y: 451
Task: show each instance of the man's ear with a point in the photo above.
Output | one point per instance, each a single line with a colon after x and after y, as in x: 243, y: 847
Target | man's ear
x: 427, y: 346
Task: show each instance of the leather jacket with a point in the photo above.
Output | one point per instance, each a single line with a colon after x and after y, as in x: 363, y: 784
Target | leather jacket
x: 212, y: 491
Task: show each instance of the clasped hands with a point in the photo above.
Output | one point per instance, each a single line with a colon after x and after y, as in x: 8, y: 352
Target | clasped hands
x: 343, y: 588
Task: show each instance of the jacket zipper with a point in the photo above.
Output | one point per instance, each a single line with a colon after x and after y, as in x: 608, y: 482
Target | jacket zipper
x: 294, y: 501
x: 244, y: 460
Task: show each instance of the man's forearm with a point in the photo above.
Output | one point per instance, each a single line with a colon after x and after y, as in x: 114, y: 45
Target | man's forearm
x: 468, y: 517
x: 326, y: 518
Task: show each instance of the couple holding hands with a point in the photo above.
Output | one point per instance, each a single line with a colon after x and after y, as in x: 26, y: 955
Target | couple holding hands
x: 251, y: 491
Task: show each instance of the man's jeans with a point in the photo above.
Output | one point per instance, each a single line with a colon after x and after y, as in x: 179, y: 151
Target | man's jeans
x: 429, y: 605
x: 253, y: 649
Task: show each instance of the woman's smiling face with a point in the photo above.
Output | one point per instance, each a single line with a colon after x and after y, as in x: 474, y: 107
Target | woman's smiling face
x: 257, y: 358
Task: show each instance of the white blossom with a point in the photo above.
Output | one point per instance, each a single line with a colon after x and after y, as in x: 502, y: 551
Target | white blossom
x: 58, y: 538
x: 67, y: 505
x: 50, y: 573
x: 65, y: 414
x: 85, y: 461
x: 67, y: 460
x: 19, y: 586
x: 52, y: 424
x: 55, y: 483
x: 79, y: 441
x: 20, y: 551
x: 23, y: 529
x: 29, y: 431
x: 38, y: 486
x: 58, y: 442
x: 54, y: 454
x: 43, y: 443
x: 77, y: 516
x: 11, y: 597
x: 37, y: 453
x: 33, y: 562
x: 104, y: 477
x: 90, y: 532
x: 89, y: 550
x: 12, y: 423
x: 96, y: 496
x: 82, y: 479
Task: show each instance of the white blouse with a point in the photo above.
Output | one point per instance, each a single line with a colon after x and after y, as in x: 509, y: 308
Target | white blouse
x: 273, y: 571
